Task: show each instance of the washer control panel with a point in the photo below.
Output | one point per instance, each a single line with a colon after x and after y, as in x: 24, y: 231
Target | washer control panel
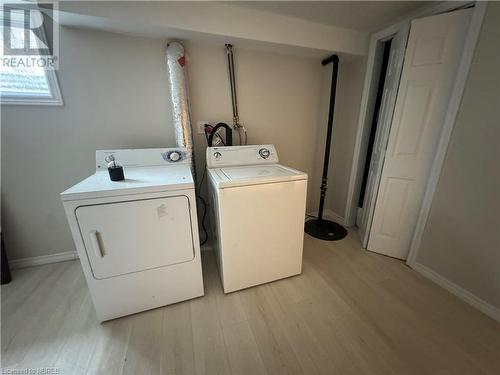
x: 241, y: 155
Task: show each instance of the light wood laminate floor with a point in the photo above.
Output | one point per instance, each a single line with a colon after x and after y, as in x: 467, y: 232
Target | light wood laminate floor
x: 350, y: 312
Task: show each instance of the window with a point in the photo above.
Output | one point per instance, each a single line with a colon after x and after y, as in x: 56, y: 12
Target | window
x: 25, y: 80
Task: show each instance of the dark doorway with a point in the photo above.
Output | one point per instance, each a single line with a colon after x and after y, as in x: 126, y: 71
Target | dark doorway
x: 373, y: 130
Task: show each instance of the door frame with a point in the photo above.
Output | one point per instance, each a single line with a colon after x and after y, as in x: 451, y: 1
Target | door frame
x: 383, y: 128
x: 366, y: 111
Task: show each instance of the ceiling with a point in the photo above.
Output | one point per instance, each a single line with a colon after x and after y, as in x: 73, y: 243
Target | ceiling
x: 358, y: 15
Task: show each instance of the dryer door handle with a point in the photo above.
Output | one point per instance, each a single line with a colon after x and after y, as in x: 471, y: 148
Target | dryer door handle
x: 94, y: 240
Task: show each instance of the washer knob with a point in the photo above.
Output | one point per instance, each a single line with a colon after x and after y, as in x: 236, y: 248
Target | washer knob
x: 217, y: 154
x: 264, y: 153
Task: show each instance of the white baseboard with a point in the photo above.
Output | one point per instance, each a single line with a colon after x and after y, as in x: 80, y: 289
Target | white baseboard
x: 43, y: 259
x: 329, y: 214
x: 60, y: 257
x: 465, y: 295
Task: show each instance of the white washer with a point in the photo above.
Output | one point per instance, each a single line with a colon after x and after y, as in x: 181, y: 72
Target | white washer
x: 137, y: 239
x: 258, y: 210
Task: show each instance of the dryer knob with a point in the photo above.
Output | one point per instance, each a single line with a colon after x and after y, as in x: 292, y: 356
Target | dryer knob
x: 174, y: 156
x: 264, y: 153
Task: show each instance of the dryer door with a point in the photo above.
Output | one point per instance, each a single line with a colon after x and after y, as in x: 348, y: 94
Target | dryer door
x: 133, y: 236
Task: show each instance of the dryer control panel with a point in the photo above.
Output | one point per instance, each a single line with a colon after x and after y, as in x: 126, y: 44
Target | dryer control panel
x: 145, y: 157
x: 241, y: 155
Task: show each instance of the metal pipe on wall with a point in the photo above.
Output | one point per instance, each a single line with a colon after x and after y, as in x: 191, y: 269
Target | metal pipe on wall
x: 234, y: 99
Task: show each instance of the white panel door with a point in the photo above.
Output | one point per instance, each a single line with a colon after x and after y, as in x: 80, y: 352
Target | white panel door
x: 432, y: 57
x: 391, y: 84
x: 134, y: 236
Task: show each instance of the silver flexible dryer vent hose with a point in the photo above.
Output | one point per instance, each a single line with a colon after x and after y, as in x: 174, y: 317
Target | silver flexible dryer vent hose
x: 179, y: 100
x: 181, y: 118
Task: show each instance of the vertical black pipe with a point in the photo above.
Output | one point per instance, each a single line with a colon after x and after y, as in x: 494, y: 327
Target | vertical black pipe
x: 333, y: 91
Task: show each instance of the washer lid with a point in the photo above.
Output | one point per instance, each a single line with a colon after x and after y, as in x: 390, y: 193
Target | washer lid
x: 137, y: 180
x: 255, y: 174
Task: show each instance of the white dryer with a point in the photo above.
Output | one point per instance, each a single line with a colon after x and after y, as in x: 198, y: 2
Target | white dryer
x: 258, y: 210
x: 137, y: 239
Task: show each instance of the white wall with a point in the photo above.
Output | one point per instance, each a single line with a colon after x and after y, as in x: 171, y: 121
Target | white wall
x: 278, y: 98
x: 461, y: 241
x: 115, y: 92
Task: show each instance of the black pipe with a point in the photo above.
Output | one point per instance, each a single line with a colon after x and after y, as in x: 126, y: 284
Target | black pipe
x: 229, y: 134
x: 328, y: 60
x: 333, y: 90
x: 321, y: 228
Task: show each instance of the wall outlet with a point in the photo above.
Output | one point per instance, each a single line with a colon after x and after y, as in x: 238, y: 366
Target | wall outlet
x: 200, y: 125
